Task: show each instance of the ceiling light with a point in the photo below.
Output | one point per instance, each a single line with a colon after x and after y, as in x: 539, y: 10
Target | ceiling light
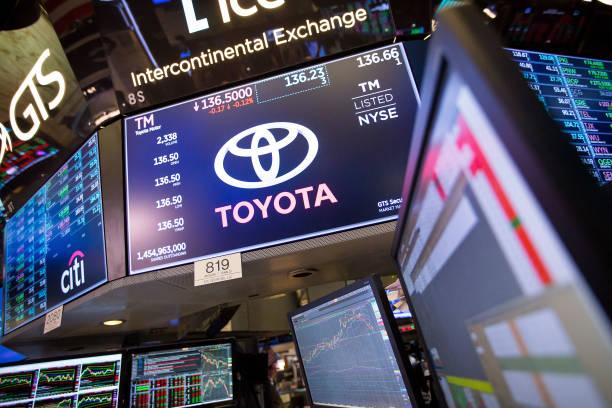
x: 116, y: 322
x: 302, y: 273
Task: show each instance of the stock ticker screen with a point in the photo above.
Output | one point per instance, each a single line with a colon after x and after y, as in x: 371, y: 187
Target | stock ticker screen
x: 90, y: 382
x: 519, y: 326
x: 54, y: 244
x: 577, y: 93
x: 271, y: 161
x: 347, y: 355
x: 182, y: 377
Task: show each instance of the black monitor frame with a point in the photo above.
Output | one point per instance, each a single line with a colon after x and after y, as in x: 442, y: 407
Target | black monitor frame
x: 129, y: 353
x: 403, y: 363
x: 464, y: 44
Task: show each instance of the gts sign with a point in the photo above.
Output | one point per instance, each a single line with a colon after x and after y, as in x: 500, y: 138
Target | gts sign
x: 195, y: 24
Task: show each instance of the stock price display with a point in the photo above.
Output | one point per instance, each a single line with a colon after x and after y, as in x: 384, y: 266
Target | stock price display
x: 182, y: 378
x: 79, y: 383
x: 224, y: 172
x: 577, y: 93
x: 346, y: 353
x: 54, y: 244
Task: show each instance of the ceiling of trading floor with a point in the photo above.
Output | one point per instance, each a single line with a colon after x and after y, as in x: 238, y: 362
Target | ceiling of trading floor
x: 574, y: 27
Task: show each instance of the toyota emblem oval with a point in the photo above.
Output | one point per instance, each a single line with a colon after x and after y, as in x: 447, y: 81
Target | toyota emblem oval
x: 272, y: 147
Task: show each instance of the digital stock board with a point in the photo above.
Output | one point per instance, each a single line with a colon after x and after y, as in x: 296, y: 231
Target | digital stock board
x: 78, y: 382
x: 311, y: 152
x: 185, y: 377
x: 577, y: 93
x: 54, y: 244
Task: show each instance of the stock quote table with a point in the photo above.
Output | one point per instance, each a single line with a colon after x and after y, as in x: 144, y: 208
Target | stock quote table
x: 182, y: 378
x: 91, y: 382
x: 54, y: 244
x: 577, y: 93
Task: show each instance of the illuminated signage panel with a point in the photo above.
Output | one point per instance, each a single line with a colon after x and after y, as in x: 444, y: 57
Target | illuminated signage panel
x: 184, y: 47
x: 308, y: 153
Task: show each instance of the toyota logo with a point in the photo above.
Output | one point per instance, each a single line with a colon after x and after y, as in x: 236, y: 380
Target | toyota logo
x: 272, y: 147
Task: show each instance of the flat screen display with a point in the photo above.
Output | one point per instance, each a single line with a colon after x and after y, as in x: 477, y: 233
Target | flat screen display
x: 504, y: 310
x: 347, y: 354
x: 178, y: 48
x: 74, y: 383
x: 182, y: 377
x: 308, y: 153
x: 54, y: 244
x: 577, y: 93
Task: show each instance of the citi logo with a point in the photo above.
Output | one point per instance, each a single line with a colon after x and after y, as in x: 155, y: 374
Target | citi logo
x: 74, y: 276
x: 236, y: 148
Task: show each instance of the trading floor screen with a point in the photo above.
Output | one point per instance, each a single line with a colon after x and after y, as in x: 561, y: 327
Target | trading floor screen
x: 347, y: 353
x: 182, y: 377
x: 54, y: 244
x: 271, y: 161
x: 91, y: 382
x: 577, y: 93
x: 506, y: 315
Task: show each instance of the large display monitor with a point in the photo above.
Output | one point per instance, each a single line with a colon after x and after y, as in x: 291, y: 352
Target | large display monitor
x: 577, y: 93
x: 503, y: 243
x: 54, y: 245
x: 182, y: 376
x: 311, y: 152
x: 72, y: 383
x: 347, y: 345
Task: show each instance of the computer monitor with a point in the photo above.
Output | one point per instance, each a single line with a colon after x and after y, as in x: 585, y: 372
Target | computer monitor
x: 577, y: 94
x: 76, y: 382
x: 182, y: 376
x: 348, y: 349
x: 502, y: 239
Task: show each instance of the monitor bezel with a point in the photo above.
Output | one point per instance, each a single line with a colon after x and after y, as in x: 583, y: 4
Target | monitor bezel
x: 403, y: 363
x: 464, y: 44
x: 129, y: 353
x: 120, y: 352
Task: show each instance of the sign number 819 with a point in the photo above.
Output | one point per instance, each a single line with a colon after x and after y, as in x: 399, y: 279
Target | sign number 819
x: 219, y: 265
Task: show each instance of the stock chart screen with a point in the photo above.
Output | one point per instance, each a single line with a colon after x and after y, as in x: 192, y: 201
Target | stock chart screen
x: 90, y: 382
x: 54, y: 244
x: 507, y: 317
x: 271, y: 161
x: 577, y: 93
x: 182, y: 377
x: 347, y: 354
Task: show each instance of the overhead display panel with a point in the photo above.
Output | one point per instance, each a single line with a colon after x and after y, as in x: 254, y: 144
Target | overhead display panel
x: 311, y: 152
x: 44, y: 115
x: 54, y: 244
x: 577, y: 93
x: 179, y: 48
x: 77, y: 382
